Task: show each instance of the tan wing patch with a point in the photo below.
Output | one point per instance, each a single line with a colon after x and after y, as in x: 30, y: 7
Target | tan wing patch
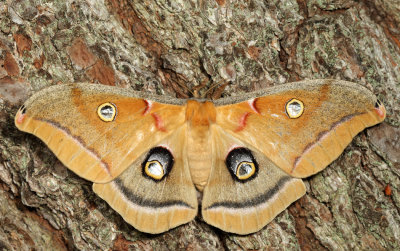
x: 240, y: 206
x: 150, y: 204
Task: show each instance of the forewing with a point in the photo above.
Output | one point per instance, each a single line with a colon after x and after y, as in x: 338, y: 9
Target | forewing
x: 333, y: 113
x: 66, y: 118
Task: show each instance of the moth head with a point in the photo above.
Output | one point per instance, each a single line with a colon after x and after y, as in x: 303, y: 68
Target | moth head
x: 294, y: 108
x: 107, y: 112
x: 158, y: 163
x: 241, y: 164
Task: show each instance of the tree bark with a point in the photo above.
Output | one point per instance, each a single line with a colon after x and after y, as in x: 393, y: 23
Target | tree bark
x: 175, y: 48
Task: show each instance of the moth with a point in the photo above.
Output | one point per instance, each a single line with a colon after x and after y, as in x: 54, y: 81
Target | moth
x: 147, y: 155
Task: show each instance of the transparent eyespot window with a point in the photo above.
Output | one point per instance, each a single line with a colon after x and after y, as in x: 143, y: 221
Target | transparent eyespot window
x: 245, y: 170
x: 107, y: 112
x: 154, y: 169
x: 294, y: 108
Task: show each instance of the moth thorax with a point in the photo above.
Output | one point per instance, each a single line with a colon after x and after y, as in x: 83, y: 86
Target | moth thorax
x: 200, y: 113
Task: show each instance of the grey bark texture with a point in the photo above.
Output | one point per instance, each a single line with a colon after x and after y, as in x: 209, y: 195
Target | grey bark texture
x: 174, y: 48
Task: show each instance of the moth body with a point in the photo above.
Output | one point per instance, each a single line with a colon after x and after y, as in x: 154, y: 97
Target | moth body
x: 200, y: 116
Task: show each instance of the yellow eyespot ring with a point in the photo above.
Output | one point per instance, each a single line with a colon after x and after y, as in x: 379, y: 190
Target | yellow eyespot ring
x: 247, y: 175
x: 294, y: 108
x: 107, y: 112
x: 152, y: 167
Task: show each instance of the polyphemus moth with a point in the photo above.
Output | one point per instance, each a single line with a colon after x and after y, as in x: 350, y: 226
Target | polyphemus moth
x: 146, y: 155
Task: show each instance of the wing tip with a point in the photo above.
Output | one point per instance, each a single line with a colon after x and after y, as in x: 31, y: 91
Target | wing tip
x: 341, y: 134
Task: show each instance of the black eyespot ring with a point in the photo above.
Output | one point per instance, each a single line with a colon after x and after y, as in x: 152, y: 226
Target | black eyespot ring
x: 158, y: 164
x: 241, y: 164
